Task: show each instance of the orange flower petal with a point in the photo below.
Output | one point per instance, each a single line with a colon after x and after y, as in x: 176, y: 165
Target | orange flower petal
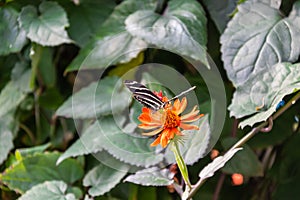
x: 188, y: 127
x: 177, y: 132
x: 192, y: 118
x: 149, y: 119
x: 176, y: 105
x: 156, y: 141
x: 154, y: 132
x: 144, y: 118
x: 164, y: 138
x: 146, y: 110
x: 170, y: 133
x: 182, y: 106
x: 149, y: 126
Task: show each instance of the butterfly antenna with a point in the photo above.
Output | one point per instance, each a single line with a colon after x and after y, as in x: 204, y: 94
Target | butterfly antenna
x: 182, y: 93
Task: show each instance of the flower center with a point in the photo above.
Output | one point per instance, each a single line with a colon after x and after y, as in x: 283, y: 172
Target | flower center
x: 172, y: 120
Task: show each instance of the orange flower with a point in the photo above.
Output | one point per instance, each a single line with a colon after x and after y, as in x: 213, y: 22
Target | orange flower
x: 168, y: 121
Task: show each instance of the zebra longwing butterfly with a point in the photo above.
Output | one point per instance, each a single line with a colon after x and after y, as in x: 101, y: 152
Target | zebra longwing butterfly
x: 143, y: 95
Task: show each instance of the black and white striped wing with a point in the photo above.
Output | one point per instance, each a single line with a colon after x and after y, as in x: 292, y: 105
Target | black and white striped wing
x: 143, y: 95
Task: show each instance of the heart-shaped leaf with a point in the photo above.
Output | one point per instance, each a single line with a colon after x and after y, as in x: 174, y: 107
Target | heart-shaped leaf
x: 180, y: 29
x: 262, y: 92
x: 257, y: 38
x: 152, y: 176
x: 50, y: 190
x: 6, y: 140
x: 86, y: 17
x: 38, y: 168
x: 45, y: 26
x: 103, y: 178
x: 106, y: 134
x: 99, y: 98
x: 10, y: 97
x: 112, y: 44
x: 12, y: 37
x: 220, y: 11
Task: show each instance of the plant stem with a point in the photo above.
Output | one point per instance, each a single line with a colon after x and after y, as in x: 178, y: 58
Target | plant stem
x: 181, y: 164
x: 219, y: 186
x: 160, y: 6
x: 249, y: 135
x: 28, y: 132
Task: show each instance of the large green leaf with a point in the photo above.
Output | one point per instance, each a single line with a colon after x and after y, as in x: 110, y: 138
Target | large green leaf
x: 50, y: 190
x: 181, y: 29
x: 12, y: 37
x: 262, y: 92
x: 21, y: 77
x: 103, y: 178
x: 112, y: 44
x: 46, y: 25
x: 10, y: 97
x: 99, y: 98
x: 25, y: 152
x: 32, y: 170
x: 220, y: 11
x: 152, y: 176
x: 6, y: 140
x: 106, y: 134
x: 244, y: 162
x: 257, y: 38
x: 86, y: 17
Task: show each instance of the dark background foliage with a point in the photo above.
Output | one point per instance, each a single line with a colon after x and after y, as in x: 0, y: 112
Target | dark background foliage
x: 53, y: 53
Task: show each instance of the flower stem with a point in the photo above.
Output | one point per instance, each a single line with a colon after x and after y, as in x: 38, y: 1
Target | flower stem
x: 181, y: 164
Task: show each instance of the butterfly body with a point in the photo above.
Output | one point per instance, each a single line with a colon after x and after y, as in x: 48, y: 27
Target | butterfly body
x: 143, y: 95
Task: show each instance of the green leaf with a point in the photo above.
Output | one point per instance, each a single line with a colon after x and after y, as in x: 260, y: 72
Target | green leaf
x: 21, y: 75
x: 80, y: 147
x: 51, y: 99
x: 102, y: 179
x: 12, y: 37
x: 106, y: 134
x: 10, y: 97
x: 181, y: 29
x: 86, y: 17
x: 257, y: 38
x: 38, y: 168
x: 244, y: 162
x: 45, y: 26
x: 112, y: 44
x: 24, y: 152
x: 219, y: 162
x: 99, y: 98
x: 6, y: 140
x: 262, y: 92
x: 50, y: 190
x: 152, y: 176
x: 220, y: 11
x: 42, y: 64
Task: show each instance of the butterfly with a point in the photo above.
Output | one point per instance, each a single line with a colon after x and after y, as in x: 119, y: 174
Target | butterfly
x: 143, y: 95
